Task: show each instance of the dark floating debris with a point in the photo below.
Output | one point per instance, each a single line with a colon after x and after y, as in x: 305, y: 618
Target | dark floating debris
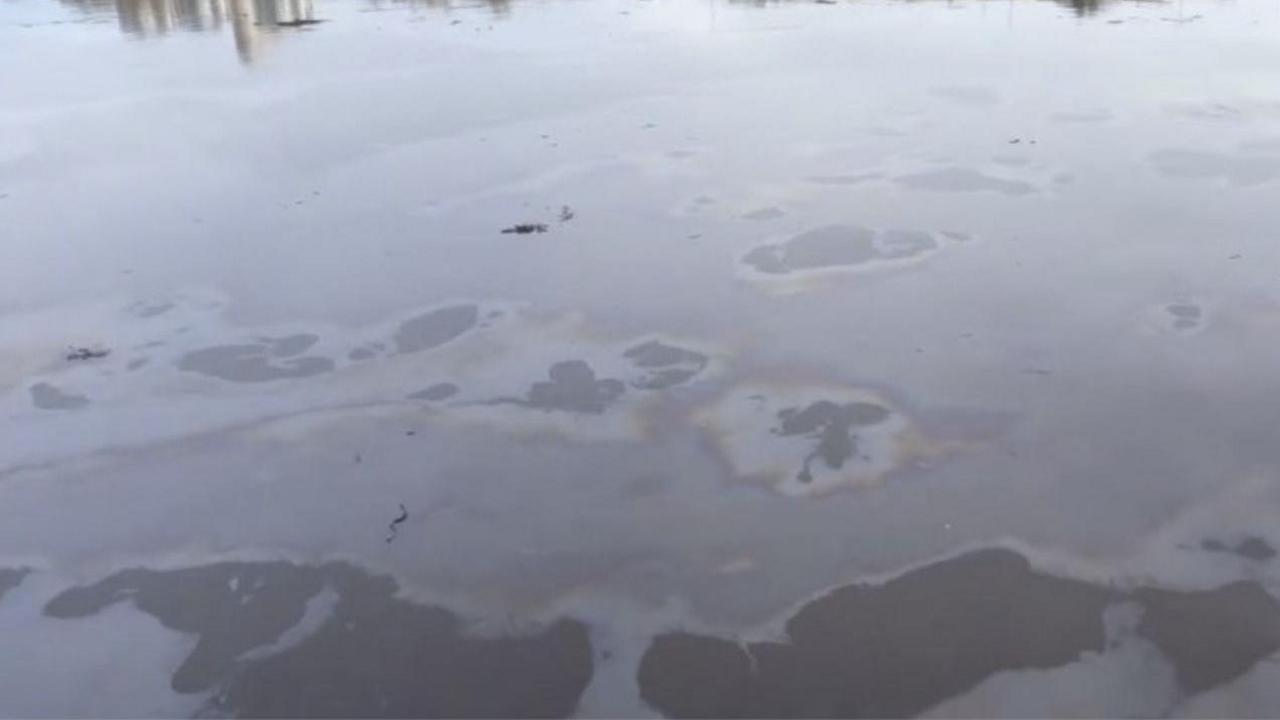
x: 392, y: 526
x: 86, y: 353
x: 302, y: 22
x: 525, y: 229
x: 566, y: 213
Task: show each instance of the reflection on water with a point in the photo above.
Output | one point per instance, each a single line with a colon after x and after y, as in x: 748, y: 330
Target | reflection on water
x: 254, y: 23
x: 1082, y: 7
x: 499, y: 7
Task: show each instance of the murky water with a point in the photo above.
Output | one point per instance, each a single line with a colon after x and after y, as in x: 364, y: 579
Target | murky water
x: 639, y: 357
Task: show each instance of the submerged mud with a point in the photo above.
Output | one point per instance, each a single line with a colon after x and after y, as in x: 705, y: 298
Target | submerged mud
x: 896, y: 649
x: 275, y: 639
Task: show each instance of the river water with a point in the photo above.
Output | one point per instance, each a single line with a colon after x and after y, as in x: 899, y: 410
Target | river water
x: 639, y: 357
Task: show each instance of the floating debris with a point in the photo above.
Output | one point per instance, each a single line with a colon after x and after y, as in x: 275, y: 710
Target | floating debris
x: 302, y: 22
x: 566, y: 213
x: 525, y: 229
x: 392, y: 526
x: 75, y: 353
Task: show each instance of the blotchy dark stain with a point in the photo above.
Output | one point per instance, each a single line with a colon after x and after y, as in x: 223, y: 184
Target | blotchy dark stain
x: 136, y: 363
x: 897, y: 649
x: 1241, y: 168
x: 967, y: 94
x: 832, y: 425
x: 49, y: 397
x: 437, y: 392
x: 1251, y: 547
x: 435, y: 328
x: 956, y: 179
x: 252, y: 363
x: 897, y: 244
x: 292, y: 345
x: 376, y: 655
x: 844, y: 179
x: 572, y: 387
x: 361, y: 354
x: 1185, y: 316
x: 767, y: 213
x: 1097, y: 116
x: 149, y: 310
x: 11, y: 578
x: 1184, y: 311
x: 668, y: 365
x: 838, y: 246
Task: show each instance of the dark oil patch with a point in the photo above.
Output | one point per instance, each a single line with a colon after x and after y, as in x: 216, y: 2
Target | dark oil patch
x: 376, y: 655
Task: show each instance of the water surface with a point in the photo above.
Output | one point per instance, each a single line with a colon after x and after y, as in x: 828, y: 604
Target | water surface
x: 849, y: 341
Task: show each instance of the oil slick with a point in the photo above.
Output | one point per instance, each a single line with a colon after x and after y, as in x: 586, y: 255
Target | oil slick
x: 262, y: 646
x: 810, y: 440
x: 833, y: 251
x: 936, y: 632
